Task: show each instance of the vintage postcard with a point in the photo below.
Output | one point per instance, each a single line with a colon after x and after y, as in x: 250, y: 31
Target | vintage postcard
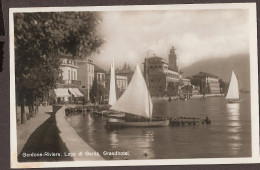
x: 134, y: 85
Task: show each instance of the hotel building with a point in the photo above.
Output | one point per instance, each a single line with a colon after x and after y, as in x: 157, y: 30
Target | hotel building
x: 86, y: 73
x: 158, y: 74
x: 209, y: 83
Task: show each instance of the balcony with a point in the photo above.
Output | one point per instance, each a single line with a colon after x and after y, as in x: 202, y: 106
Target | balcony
x: 76, y: 82
x: 72, y: 82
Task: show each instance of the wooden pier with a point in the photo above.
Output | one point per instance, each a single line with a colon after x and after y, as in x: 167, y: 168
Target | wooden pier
x: 174, y: 121
x: 181, y: 121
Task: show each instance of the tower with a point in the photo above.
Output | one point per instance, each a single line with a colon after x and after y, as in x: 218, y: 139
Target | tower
x: 173, y: 60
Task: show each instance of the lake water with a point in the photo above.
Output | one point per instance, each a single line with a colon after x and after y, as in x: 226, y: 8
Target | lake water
x: 228, y: 135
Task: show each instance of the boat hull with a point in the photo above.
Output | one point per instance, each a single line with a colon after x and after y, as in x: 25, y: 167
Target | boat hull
x: 122, y: 123
x: 234, y: 101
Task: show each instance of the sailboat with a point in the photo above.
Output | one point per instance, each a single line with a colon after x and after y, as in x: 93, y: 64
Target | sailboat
x: 136, y: 101
x: 112, y: 93
x: 112, y: 89
x: 233, y: 90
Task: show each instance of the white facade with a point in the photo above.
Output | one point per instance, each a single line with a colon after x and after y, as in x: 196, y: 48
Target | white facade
x: 121, y: 82
x: 86, y: 74
x: 90, y: 73
x: 69, y: 70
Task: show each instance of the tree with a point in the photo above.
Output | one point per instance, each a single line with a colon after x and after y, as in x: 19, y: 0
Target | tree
x: 40, y: 38
x: 195, y: 82
x: 97, y: 91
x: 223, y: 86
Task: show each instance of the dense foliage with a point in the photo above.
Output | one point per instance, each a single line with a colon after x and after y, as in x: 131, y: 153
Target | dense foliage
x: 97, y: 91
x: 40, y: 39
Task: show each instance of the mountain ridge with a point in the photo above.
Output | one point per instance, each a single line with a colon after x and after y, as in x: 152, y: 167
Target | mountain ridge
x: 222, y: 67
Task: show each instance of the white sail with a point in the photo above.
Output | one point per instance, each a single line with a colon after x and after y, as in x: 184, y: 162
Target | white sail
x: 136, y: 99
x: 233, y: 91
x: 112, y: 90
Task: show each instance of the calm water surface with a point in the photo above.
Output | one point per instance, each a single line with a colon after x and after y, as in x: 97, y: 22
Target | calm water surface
x: 229, y: 134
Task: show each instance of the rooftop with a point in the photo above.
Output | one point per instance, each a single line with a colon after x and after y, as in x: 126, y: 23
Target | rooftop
x: 156, y: 58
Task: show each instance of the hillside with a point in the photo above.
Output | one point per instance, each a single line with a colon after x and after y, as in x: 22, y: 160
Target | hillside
x: 222, y: 67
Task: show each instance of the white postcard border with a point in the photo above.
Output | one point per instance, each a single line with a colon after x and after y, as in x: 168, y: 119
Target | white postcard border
x: 253, y: 83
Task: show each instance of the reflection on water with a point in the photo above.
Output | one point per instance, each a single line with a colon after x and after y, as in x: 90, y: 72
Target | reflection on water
x: 234, y: 126
x: 233, y: 108
x: 148, y: 143
x: 229, y: 134
x: 113, y: 140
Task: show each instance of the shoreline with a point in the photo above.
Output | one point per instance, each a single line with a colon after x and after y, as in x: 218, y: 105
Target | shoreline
x: 191, y: 97
x: 75, y: 144
x: 48, y: 136
x: 24, y: 131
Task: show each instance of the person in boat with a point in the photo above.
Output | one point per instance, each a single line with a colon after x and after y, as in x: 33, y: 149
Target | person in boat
x: 207, y: 120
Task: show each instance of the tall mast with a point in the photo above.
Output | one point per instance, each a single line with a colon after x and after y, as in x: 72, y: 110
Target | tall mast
x: 147, y: 83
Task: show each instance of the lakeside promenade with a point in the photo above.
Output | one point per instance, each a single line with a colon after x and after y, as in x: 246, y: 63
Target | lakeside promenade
x: 49, y: 134
x: 191, y: 97
x: 24, y: 131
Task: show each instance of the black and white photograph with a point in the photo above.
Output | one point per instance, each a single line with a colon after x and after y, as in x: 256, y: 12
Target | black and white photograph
x: 134, y: 85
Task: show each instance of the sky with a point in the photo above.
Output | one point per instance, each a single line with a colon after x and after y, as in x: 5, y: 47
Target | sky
x: 195, y: 34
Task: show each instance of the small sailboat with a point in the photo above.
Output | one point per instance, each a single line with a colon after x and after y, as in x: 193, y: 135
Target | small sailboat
x: 136, y: 101
x: 112, y: 89
x: 112, y: 94
x: 233, y: 90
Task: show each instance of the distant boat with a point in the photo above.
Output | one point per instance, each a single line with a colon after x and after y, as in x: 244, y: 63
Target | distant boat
x: 112, y: 90
x: 233, y: 90
x: 136, y: 101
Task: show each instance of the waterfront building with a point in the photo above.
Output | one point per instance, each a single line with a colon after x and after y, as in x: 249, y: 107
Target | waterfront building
x: 123, y: 76
x: 100, y: 75
x: 68, y: 84
x: 125, y: 71
x: 121, y: 81
x: 86, y: 73
x: 160, y: 78
x: 185, y: 87
x: 186, y: 81
x: 209, y: 83
x: 68, y: 73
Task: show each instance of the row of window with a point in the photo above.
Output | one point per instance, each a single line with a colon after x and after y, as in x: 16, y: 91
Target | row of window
x: 155, y: 66
x: 90, y: 68
x: 121, y: 84
x: 155, y: 61
x: 67, y: 61
x: 72, y: 75
x: 100, y: 76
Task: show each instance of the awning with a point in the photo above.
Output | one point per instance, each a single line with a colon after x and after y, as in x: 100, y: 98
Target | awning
x: 79, y: 94
x: 62, y: 92
x: 73, y: 92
